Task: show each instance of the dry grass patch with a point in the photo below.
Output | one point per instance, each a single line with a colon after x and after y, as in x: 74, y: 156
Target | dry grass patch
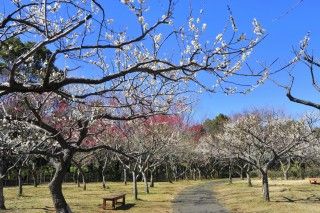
x: 38, y: 199
x: 286, y: 196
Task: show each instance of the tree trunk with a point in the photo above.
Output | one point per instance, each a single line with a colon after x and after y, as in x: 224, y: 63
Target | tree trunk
x: 199, y: 174
x: 74, y: 176
x: 248, y: 176
x: 2, y: 206
x: 19, y: 182
x: 151, y: 179
x: 103, y: 173
x: 241, y: 173
x: 265, y: 185
x: 104, y: 181
x: 167, y: 174
x: 40, y: 177
x: 27, y: 178
x: 34, y: 175
x: 285, y: 168
x: 2, y: 201
x: 302, y: 171
x: 146, y: 185
x: 212, y: 173
x: 80, y: 172
x: 125, y: 176
x: 51, y: 174
x: 55, y: 185
x: 186, y: 174
x: 175, y: 173
x: 285, y: 175
x: 230, y: 172
x: 84, y: 183
x: 78, y: 178
x: 134, y: 186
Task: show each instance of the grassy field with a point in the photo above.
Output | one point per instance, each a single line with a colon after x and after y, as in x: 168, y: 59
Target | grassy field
x: 286, y: 196
x: 38, y: 199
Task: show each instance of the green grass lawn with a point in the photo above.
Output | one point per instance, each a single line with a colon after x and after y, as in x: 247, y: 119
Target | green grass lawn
x: 286, y: 196
x: 39, y: 200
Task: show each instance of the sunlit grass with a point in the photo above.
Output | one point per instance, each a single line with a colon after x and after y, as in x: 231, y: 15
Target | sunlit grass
x: 286, y: 196
x: 39, y: 200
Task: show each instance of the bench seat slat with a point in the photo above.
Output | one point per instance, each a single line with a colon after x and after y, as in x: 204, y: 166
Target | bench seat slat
x: 118, y: 196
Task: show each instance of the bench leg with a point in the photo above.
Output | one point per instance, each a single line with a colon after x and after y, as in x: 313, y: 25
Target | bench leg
x: 113, y: 204
x: 104, y: 204
x: 124, y: 200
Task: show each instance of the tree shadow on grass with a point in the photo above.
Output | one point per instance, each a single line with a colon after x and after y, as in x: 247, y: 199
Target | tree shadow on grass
x: 126, y: 206
x: 45, y: 209
x: 312, y: 198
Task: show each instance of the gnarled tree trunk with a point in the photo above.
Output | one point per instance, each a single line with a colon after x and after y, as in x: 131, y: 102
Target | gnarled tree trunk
x: 78, y: 178
x: 19, y: 183
x: 248, y: 175
x: 230, y: 171
x: 2, y: 200
x: 151, y: 179
x: 145, y: 181
x: 285, y: 168
x: 2, y: 206
x: 241, y: 172
x: 40, y: 177
x: 103, y: 173
x: 34, y: 175
x: 193, y: 171
x: 265, y: 184
x: 175, y: 173
x: 125, y: 176
x: 55, y: 186
x: 168, y: 174
x: 134, y: 185
x: 199, y: 174
x: 74, y: 176
x: 302, y: 170
x: 80, y: 171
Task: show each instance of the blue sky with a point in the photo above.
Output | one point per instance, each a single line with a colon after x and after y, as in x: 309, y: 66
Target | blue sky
x: 286, y: 23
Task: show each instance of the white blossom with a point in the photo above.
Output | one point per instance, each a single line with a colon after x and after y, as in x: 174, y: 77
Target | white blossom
x: 141, y: 19
x: 204, y: 26
x: 157, y: 38
x: 192, y: 26
x: 219, y: 37
x: 257, y: 28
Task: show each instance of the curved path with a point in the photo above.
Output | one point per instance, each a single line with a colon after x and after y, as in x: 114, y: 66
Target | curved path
x: 197, y: 199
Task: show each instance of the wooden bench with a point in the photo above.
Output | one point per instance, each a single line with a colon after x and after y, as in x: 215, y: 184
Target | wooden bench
x: 314, y: 180
x: 114, y: 198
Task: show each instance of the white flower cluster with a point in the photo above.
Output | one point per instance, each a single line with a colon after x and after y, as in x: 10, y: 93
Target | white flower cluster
x: 304, y: 43
x: 257, y: 28
x: 55, y: 7
x: 128, y: 1
x: 16, y: 1
x: 157, y: 38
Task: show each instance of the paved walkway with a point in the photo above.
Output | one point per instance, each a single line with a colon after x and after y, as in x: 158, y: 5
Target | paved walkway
x: 197, y: 199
